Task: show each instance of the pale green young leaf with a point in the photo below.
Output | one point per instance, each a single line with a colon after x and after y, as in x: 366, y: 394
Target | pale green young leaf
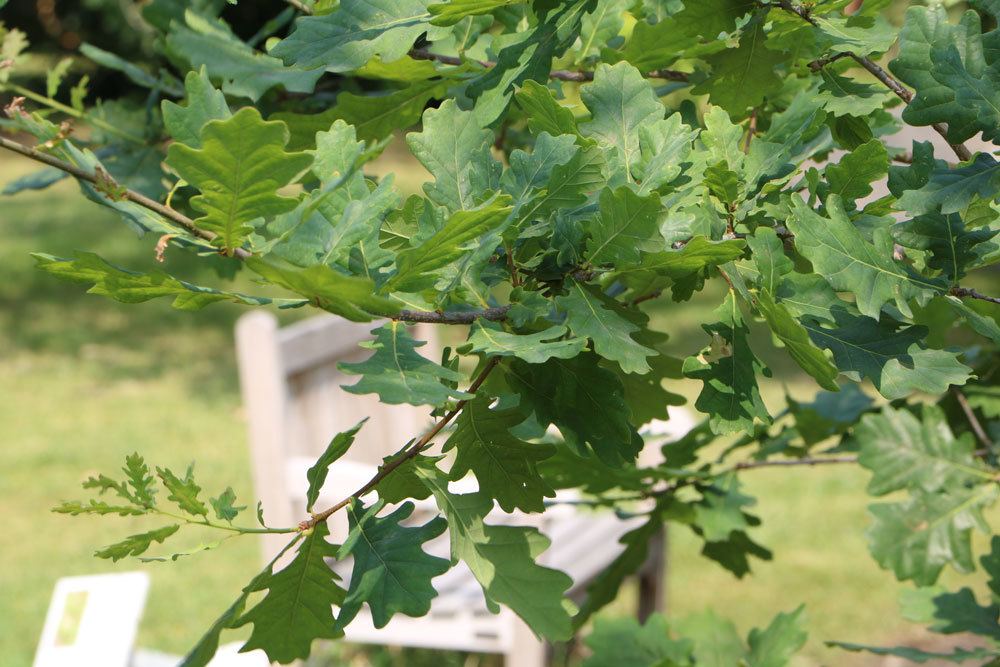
x: 131, y: 287
x: 530, y: 172
x: 504, y: 465
x: 453, y: 11
x: 243, y: 70
x: 98, y: 507
x: 568, y: 187
x: 378, y: 116
x: 918, y: 537
x: 135, y: 545
x: 843, y: 96
x: 797, y: 342
x: 589, y: 316
x: 316, y: 475
x: 903, y: 452
x: 544, y: 112
x: 298, y: 606
x: 417, y: 267
x: 716, y: 642
x: 140, y: 479
x: 184, y: 492
x: 392, y: 573
x: 398, y: 374
x: 225, y: 506
x: 239, y: 169
x: 504, y: 560
x: 664, y: 148
x: 720, y: 512
x: 854, y: 34
x: 535, y: 348
x: 348, y: 296
x: 456, y: 150
x: 620, y: 101
x: 204, y: 104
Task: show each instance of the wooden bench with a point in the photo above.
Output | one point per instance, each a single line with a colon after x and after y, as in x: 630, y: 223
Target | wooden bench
x: 294, y: 404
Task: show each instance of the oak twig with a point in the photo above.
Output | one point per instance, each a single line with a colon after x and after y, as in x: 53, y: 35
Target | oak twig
x: 970, y: 415
x: 494, y: 314
x: 406, y: 454
x: 973, y: 294
x: 136, y: 197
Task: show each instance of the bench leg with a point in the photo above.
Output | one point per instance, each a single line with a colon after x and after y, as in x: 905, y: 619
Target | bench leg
x: 526, y: 650
x: 652, y: 575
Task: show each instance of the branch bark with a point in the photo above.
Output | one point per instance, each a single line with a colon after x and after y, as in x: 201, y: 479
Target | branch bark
x: 170, y: 214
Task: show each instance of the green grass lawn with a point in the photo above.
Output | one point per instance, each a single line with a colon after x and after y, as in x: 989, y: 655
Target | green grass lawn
x: 85, y: 380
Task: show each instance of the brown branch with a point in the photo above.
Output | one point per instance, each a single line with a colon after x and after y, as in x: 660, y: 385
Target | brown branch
x: 977, y: 428
x: 808, y: 461
x: 494, y: 314
x: 879, y: 73
x: 406, y: 454
x: 133, y: 196
x: 973, y: 294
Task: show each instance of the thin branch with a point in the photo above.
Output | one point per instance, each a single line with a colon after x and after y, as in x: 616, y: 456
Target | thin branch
x: 406, y: 454
x: 977, y: 428
x: 495, y: 314
x: 133, y: 196
x: 879, y: 73
x: 808, y: 461
x: 973, y: 294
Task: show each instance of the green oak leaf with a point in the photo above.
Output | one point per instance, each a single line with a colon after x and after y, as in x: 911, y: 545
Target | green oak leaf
x: 184, y: 492
x: 298, y: 606
x: 526, y: 54
x: 957, y: 656
x: 769, y: 258
x: 503, y: 560
x: 588, y: 315
x: 348, y: 37
x: 664, y: 148
x: 623, y: 641
x: 852, y: 177
x: 625, y: 227
x: 892, y: 356
x: 952, y: 69
x: 719, y: 513
x: 839, y: 252
x: 316, y: 475
x: 952, y: 189
x: 743, y: 77
x: 854, y: 34
x: 716, y: 641
x: 243, y: 70
x: 776, y: 644
x: 133, y: 287
x: 348, y: 296
x: 843, y: 96
x: 453, y: 11
x: 544, y: 112
x: 391, y: 573
x: 504, y: 465
x: 797, y: 342
x: 918, y: 537
x: 730, y: 395
x: 378, y: 116
x: 140, y: 480
x: 456, y: 150
x: 238, y: 169
x: 568, y: 187
x: 204, y: 104
x: 584, y: 401
x: 417, y: 267
x: 620, y: 101
x: 398, y: 374
x: 135, y: 545
x: 904, y: 452
x: 535, y: 348
x: 224, y: 505
x: 530, y: 172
